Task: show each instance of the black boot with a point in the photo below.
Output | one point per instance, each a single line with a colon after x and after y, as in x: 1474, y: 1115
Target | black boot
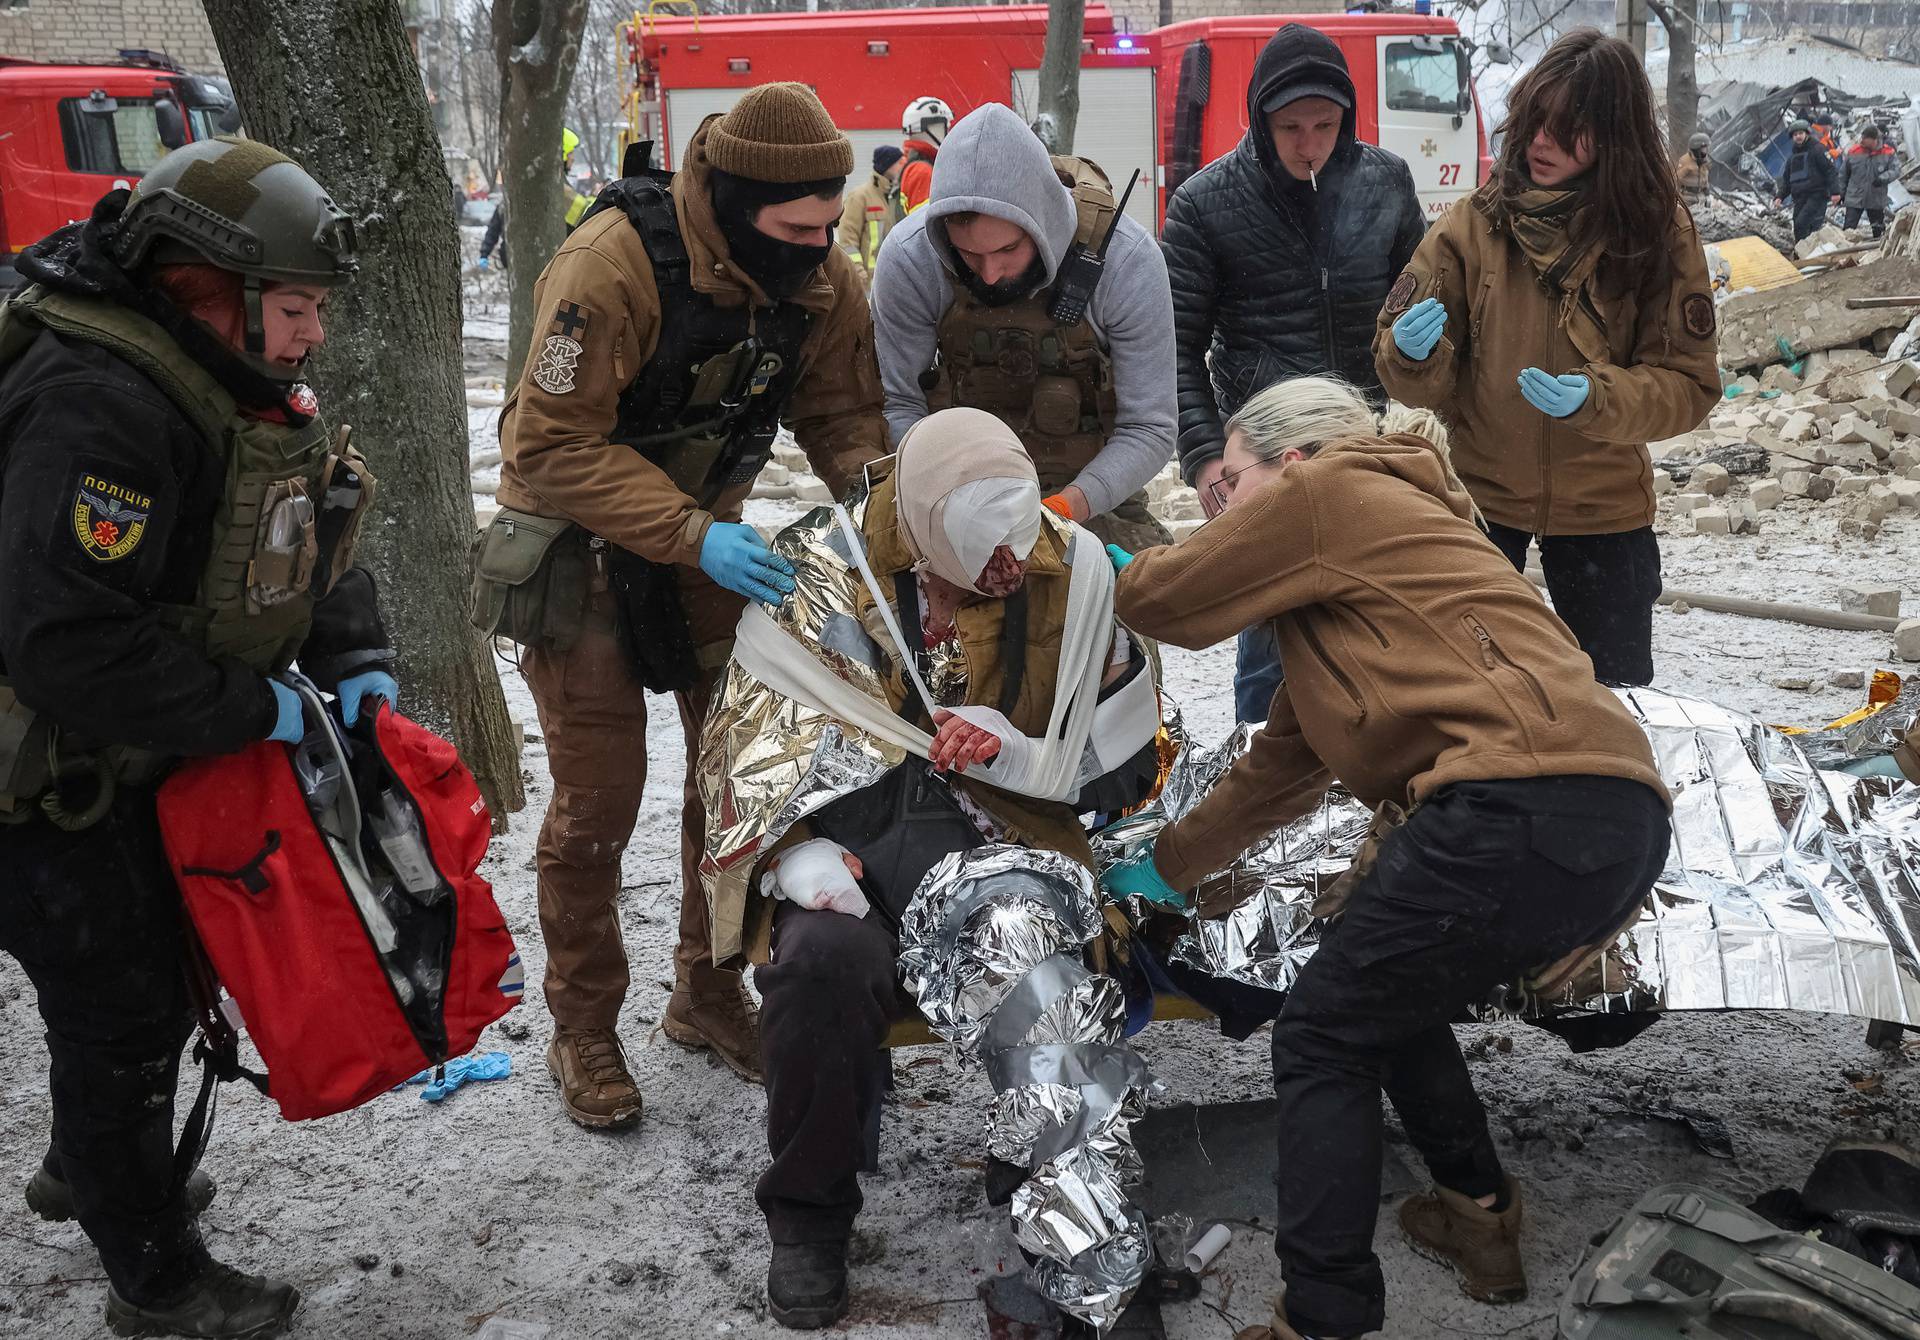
x: 220, y: 1304
x: 52, y: 1199
x: 807, y: 1285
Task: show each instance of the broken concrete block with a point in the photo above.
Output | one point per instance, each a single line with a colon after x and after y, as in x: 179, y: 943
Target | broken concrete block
x: 1853, y: 483
x: 1902, y: 378
x: 812, y: 490
x: 1901, y: 418
x: 1835, y: 473
x: 1685, y: 504
x: 1803, y: 483
x: 1848, y: 679
x: 1798, y: 426
x: 1710, y: 479
x: 1905, y: 492
x: 1780, y: 377
x: 1883, y: 601
x: 1712, y: 521
x: 1745, y: 384
x: 1662, y: 483
x: 1857, y: 427
x: 1904, y: 457
x: 1766, y: 494
x: 1906, y: 640
x: 1793, y: 683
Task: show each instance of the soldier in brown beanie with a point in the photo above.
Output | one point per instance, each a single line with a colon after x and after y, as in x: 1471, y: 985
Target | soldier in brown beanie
x: 682, y: 324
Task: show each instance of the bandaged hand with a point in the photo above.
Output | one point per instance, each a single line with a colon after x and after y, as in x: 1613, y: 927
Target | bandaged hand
x: 958, y: 744
x: 820, y: 876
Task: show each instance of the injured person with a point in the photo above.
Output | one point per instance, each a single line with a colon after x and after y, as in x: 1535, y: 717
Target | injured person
x: 947, y: 676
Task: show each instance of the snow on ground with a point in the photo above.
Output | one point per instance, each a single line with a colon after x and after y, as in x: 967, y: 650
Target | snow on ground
x: 409, y: 1221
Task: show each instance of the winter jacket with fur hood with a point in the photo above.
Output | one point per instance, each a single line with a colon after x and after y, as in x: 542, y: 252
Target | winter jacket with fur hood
x: 1253, y: 300
x: 1656, y: 375
x: 558, y: 460
x: 1416, y: 656
x: 992, y: 164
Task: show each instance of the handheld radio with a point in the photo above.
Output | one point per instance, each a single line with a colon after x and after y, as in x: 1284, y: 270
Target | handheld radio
x: 1080, y: 272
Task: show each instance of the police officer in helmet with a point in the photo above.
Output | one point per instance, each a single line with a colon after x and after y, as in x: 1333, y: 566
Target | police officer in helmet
x: 176, y: 524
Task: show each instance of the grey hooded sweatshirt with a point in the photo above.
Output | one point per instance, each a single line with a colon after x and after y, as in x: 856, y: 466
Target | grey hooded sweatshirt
x: 992, y: 164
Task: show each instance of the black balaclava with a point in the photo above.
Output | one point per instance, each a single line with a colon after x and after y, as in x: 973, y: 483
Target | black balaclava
x: 1007, y: 291
x: 781, y: 268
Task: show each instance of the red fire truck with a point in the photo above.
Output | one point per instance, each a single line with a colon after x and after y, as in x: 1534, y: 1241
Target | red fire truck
x: 1166, y: 102
x: 71, y: 133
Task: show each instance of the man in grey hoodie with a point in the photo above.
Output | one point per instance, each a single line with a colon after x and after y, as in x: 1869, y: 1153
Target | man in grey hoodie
x: 961, y: 300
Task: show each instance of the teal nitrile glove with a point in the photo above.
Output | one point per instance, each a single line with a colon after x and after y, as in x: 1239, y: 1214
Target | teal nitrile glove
x: 1555, y: 397
x: 485, y: 263
x: 1419, y: 328
x: 356, y: 689
x: 1141, y: 876
x: 735, y: 556
x: 287, y: 724
x: 1118, y: 557
x: 1881, y: 765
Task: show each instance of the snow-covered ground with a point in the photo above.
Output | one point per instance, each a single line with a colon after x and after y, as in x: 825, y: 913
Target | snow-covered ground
x: 413, y: 1221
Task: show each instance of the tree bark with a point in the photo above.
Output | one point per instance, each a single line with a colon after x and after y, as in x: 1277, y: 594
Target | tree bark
x: 536, y: 44
x: 1060, y: 75
x: 1679, y: 17
x: 333, y: 84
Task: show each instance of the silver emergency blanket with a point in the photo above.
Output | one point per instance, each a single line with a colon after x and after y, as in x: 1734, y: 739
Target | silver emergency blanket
x: 1787, y: 887
x: 992, y: 948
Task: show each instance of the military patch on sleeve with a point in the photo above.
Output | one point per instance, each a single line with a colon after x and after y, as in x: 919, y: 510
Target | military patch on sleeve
x: 109, y: 520
x: 570, y: 320
x: 559, y: 361
x: 1400, y: 296
x: 1697, y: 311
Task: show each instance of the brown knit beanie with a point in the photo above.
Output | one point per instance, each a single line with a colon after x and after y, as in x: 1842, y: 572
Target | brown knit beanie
x: 779, y: 133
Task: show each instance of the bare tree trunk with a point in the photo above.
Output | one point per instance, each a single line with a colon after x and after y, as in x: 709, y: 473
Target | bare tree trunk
x: 535, y: 47
x: 1060, y: 75
x: 334, y: 84
x: 1683, y: 84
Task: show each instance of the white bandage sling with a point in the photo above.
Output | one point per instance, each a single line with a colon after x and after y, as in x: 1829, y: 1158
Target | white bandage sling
x: 1084, y: 737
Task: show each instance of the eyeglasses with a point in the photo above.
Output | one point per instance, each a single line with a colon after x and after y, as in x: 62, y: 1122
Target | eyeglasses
x: 1221, y: 489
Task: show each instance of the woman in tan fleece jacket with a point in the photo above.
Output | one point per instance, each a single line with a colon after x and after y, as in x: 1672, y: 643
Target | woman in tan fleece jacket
x: 1559, y: 319
x: 1425, y: 674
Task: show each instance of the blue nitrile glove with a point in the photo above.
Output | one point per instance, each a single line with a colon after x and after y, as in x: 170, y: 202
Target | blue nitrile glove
x: 356, y: 689
x: 735, y: 556
x: 1141, y: 876
x: 485, y: 263
x: 287, y: 724
x: 1881, y: 765
x: 460, y: 1071
x: 1555, y: 397
x: 1118, y: 557
x: 1418, y: 329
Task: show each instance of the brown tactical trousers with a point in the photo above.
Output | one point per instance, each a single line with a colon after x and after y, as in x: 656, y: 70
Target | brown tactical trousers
x: 593, y: 713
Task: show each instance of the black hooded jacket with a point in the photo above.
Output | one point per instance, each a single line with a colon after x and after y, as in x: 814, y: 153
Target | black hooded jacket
x: 1256, y: 282
x: 80, y: 639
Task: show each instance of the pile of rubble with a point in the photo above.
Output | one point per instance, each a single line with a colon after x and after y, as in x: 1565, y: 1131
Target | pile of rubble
x: 1723, y: 215
x: 1849, y: 439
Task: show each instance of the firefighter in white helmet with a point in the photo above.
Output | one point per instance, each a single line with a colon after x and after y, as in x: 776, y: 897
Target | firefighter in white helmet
x: 924, y: 124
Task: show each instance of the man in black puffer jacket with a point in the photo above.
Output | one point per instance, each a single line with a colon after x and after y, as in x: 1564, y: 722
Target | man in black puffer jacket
x: 1281, y: 254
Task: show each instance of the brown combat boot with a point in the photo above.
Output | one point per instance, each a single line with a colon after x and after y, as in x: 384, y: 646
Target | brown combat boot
x: 595, y: 1086
x: 1482, y: 1247
x: 718, y: 1014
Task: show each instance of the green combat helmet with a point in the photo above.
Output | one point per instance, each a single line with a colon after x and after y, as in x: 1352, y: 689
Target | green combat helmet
x: 242, y: 206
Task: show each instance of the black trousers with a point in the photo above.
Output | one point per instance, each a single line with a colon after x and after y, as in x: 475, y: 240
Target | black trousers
x: 1486, y: 881
x: 1876, y: 217
x: 94, y: 918
x: 1604, y: 588
x: 827, y: 998
x: 1809, y: 215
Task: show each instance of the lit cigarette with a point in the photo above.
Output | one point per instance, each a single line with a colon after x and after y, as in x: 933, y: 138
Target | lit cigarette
x: 1312, y: 177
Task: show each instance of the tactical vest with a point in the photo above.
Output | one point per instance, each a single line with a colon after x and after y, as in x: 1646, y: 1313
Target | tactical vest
x: 254, y: 599
x: 706, y: 408
x: 1051, y: 384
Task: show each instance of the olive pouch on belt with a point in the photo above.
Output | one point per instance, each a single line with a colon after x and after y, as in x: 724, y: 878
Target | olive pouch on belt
x: 529, y: 580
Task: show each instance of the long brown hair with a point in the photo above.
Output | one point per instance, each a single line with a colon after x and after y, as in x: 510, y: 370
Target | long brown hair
x: 1593, y: 85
